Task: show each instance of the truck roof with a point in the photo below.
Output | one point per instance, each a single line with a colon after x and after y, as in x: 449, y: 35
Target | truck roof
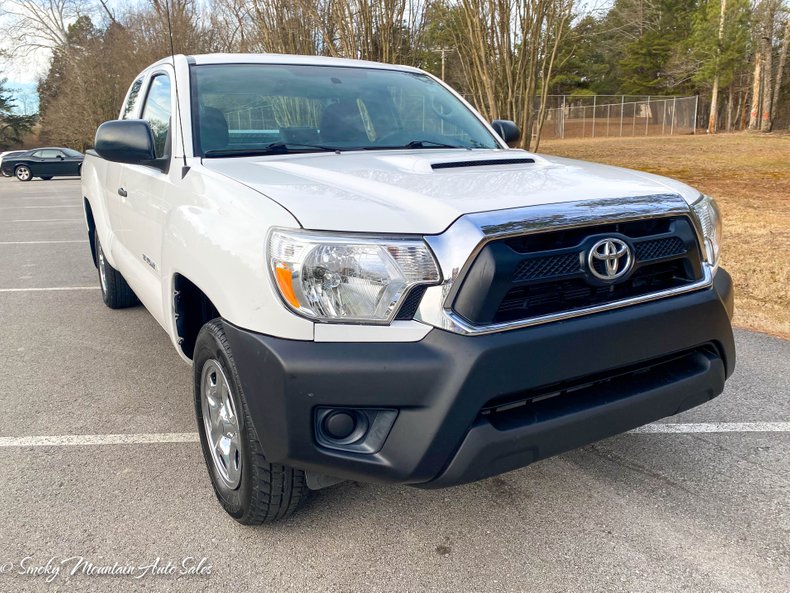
x: 267, y: 58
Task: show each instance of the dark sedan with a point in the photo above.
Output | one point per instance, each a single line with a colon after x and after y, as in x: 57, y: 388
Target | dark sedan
x: 43, y: 162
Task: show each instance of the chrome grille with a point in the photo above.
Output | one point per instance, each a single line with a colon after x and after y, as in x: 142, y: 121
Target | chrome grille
x: 542, y: 274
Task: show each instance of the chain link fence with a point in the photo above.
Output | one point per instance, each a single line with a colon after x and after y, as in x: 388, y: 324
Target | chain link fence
x: 600, y: 117
x: 568, y: 116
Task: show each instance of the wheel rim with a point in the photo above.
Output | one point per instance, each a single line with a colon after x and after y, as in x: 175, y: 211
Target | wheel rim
x: 23, y: 173
x: 102, y: 270
x: 221, y: 423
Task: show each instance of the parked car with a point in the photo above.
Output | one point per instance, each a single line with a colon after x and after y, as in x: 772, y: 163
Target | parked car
x: 8, y: 153
x: 370, y: 285
x: 43, y: 162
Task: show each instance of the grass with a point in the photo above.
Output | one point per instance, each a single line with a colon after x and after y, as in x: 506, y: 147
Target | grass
x: 749, y: 175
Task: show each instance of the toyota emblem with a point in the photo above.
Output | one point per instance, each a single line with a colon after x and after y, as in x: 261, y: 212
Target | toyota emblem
x: 610, y: 259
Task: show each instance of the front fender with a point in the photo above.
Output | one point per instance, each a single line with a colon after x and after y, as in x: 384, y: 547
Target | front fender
x: 217, y: 240
x: 94, y: 205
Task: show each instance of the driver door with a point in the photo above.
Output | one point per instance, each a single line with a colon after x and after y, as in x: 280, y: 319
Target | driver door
x: 142, y: 199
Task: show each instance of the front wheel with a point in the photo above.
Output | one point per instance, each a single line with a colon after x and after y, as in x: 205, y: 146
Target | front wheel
x: 23, y: 173
x: 251, y: 490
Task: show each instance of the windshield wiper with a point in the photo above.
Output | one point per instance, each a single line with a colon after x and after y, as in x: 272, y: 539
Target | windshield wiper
x: 273, y: 148
x: 287, y: 147
x: 417, y: 144
x: 431, y: 144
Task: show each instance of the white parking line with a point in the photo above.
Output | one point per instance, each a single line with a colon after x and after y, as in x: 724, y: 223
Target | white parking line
x: 715, y: 427
x: 54, y: 288
x: 46, y: 220
x: 99, y: 439
x: 40, y: 242
x: 192, y: 437
x: 50, y: 196
x: 40, y: 207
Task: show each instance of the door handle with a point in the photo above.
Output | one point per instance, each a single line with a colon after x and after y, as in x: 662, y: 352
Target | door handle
x: 122, y: 192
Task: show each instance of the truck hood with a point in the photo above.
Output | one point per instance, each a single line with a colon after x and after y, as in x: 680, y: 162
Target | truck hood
x: 406, y: 192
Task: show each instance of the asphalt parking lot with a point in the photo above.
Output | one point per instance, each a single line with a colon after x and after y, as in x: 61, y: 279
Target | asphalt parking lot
x: 699, y: 504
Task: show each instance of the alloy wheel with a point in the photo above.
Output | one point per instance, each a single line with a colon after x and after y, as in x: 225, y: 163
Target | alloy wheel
x: 221, y: 423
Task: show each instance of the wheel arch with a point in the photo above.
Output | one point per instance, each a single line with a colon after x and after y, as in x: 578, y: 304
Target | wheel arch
x: 91, y: 222
x: 192, y: 309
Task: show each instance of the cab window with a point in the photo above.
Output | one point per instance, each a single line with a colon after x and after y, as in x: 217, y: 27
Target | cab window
x: 156, y: 111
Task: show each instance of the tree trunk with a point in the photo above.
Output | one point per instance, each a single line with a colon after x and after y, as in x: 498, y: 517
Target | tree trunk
x: 740, y: 112
x: 757, y: 85
x: 765, y: 120
x: 714, y: 94
x: 547, y: 71
x: 780, y: 70
x: 768, y: 53
x: 729, y: 110
x: 714, y: 106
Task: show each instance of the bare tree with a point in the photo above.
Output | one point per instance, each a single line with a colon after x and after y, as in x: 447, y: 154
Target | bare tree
x: 37, y: 24
x: 380, y: 30
x: 508, y: 48
x: 231, y: 20
x: 285, y: 26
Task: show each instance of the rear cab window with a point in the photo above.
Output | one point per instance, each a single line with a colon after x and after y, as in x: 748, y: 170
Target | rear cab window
x: 132, y: 97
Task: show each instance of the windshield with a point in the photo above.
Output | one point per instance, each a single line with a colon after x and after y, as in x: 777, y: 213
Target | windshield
x: 243, y: 109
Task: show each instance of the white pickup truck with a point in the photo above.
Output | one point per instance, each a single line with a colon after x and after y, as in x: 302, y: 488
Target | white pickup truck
x: 370, y: 285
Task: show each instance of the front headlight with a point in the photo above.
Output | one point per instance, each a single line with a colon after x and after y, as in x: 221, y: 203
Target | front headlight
x: 347, y: 278
x: 709, y: 221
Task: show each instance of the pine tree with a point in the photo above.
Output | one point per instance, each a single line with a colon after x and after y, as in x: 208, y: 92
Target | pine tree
x: 13, y: 126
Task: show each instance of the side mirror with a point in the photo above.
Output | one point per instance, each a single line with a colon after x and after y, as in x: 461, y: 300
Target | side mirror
x: 507, y: 130
x: 127, y: 141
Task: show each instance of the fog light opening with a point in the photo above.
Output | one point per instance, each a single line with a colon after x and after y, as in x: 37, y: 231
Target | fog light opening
x: 361, y: 430
x: 344, y: 427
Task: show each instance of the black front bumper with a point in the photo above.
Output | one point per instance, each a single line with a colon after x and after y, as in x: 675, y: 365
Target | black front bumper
x: 473, y: 407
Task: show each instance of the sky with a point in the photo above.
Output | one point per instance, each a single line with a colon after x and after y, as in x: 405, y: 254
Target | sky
x: 22, y: 73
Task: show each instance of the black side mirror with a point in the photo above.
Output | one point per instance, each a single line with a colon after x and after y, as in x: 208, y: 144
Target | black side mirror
x: 507, y: 130
x: 127, y: 141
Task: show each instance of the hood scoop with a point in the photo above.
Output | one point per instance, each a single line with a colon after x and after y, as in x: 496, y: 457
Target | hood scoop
x: 481, y: 163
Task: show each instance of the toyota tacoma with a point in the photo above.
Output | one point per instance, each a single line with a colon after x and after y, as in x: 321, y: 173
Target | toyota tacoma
x: 371, y: 285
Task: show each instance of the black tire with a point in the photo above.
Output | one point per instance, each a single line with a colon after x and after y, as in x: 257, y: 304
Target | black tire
x: 266, y: 492
x: 23, y: 173
x: 115, y: 292
x: 47, y: 178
